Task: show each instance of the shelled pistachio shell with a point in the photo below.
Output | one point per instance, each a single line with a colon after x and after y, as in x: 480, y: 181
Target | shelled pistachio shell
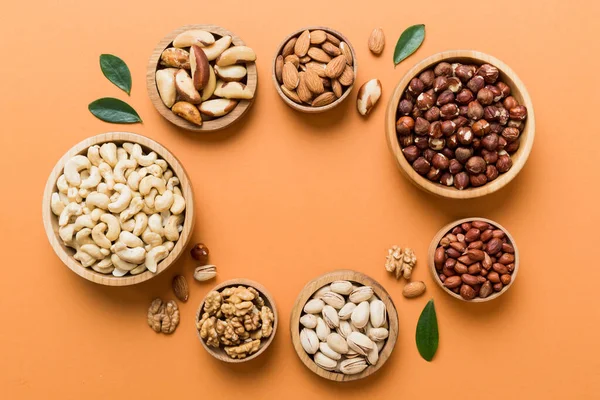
x: 330, y: 316
x: 341, y: 287
x: 325, y: 362
x: 346, y: 311
x: 360, y: 343
x: 378, y: 334
x: 322, y: 329
x: 373, y: 356
x: 314, y: 306
x: 321, y: 292
x: 337, y: 343
x: 309, y: 341
x: 309, y: 321
x: 334, y: 300
x: 380, y: 345
x: 353, y: 366
x: 360, y: 315
x: 378, y: 313
x: 344, y: 329
x: 360, y: 294
x: 325, y: 349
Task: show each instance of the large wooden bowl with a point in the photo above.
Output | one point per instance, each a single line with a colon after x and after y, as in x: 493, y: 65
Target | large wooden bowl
x: 325, y: 279
x: 219, y: 353
x: 305, y: 108
x: 435, y: 242
x: 51, y: 221
x: 207, y: 125
x: 518, y: 90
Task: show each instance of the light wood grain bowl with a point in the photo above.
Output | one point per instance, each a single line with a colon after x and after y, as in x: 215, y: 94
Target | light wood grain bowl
x: 325, y: 279
x: 518, y: 90
x: 219, y: 353
x: 435, y: 242
x: 306, y: 108
x: 207, y: 125
x: 51, y: 221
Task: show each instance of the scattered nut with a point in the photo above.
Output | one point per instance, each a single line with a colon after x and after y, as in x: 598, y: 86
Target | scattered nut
x: 400, y: 262
x: 368, y: 95
x: 413, y: 289
x: 376, y: 41
x: 180, y: 288
x: 163, y: 317
x: 205, y: 273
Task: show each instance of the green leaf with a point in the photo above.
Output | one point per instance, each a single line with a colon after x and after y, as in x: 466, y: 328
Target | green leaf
x: 116, y: 71
x: 409, y: 42
x: 114, y: 110
x: 427, y: 332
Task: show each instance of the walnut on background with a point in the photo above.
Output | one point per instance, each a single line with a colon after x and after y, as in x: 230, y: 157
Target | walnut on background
x: 163, y: 317
x: 401, y: 262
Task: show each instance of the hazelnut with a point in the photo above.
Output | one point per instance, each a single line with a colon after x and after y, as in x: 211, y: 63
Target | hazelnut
x: 476, y: 143
x: 452, y: 142
x: 504, y: 88
x: 510, y: 134
x: 488, y: 72
x: 461, y: 180
x: 200, y: 253
x: 513, y: 123
x: 405, y: 140
x: 490, y: 142
x: 485, y: 96
x: 475, y: 165
x: 491, y: 173
x: 462, y: 154
x: 464, y: 135
x: 437, y: 143
x: 510, y: 102
x: 454, y: 166
x: 405, y: 107
x: 463, y: 110
x: 421, y: 126
x: 503, y: 117
x: 501, y: 143
x: 411, y: 153
x: 478, y: 180
x: 518, y: 113
x: 440, y: 161
x: 422, y: 142
x: 447, y: 179
x: 475, y: 110
x: 465, y: 96
x: 405, y: 125
x: 433, y: 114
x: 449, y: 111
x: 440, y: 84
x: 434, y: 174
x: 448, y: 127
x: 415, y: 113
x: 465, y: 72
x: 447, y: 152
x: 504, y: 163
x: 496, y: 92
x: 496, y: 128
x: 490, y: 157
x: 454, y: 84
x: 421, y: 165
x: 428, y: 154
x: 425, y: 101
x: 480, y: 128
x: 427, y: 77
x: 460, y: 121
x: 490, y: 112
x: 435, y: 129
x: 513, y: 146
x: 445, y: 97
x: 443, y: 68
x: 416, y: 86
x: 476, y: 83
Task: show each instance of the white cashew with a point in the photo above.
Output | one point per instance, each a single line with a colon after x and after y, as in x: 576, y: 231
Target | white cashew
x: 107, y: 175
x: 148, y: 210
x: 103, y: 188
x: 114, y: 227
x: 66, y: 234
x: 149, y: 182
x: 141, y: 222
x: 83, y: 193
x: 119, y: 171
x: 121, y: 264
x: 128, y: 147
x: 93, y: 250
x: 136, y: 205
x: 135, y: 255
x: 119, y: 272
x: 171, y: 227
x: 72, y: 168
x: 169, y: 245
x: 92, y: 180
x: 165, y: 216
x: 104, y: 266
x: 155, y: 170
x: 73, y: 195
x: 83, y: 237
x: 123, y: 200
x: 154, y: 256
x: 168, y: 174
x: 162, y: 164
x: 61, y: 184
x: 121, y: 154
x: 97, y: 199
x: 70, y: 211
x: 164, y: 202
x: 152, y: 238
x: 172, y: 182
x: 93, y: 154
x: 138, y: 270
x: 128, y: 225
x: 143, y: 160
x: 178, y: 204
x: 96, y: 214
x: 133, y: 180
x: 150, y: 198
x: 84, y: 258
x: 99, y: 237
x: 56, y: 205
x: 155, y: 224
x: 130, y: 240
x: 108, y: 152
x: 83, y: 221
x: 64, y: 198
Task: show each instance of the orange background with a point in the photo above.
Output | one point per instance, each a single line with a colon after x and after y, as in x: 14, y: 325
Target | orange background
x: 283, y: 197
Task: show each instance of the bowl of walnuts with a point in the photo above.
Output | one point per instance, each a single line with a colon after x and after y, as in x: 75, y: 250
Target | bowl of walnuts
x: 460, y: 124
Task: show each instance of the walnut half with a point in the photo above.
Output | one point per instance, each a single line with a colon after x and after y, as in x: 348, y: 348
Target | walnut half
x: 163, y: 317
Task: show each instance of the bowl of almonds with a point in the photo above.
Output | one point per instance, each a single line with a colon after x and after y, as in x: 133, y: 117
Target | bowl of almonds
x: 474, y: 259
x: 314, y: 69
x: 202, y: 77
x: 344, y: 326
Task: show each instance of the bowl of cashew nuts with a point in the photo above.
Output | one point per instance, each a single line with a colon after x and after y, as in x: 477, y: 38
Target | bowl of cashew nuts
x: 118, y: 209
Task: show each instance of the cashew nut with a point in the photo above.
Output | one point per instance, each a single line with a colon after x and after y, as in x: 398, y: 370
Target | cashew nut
x: 93, y: 154
x: 165, y: 216
x: 136, y: 205
x: 114, y: 227
x: 56, y: 204
x: 84, y: 258
x: 168, y: 174
x: 96, y: 214
x: 138, y: 270
x: 178, y: 204
x: 108, y: 152
x: 104, y: 266
x: 119, y: 272
x: 164, y: 202
x: 141, y: 222
x: 93, y: 180
x: 73, y: 195
x: 133, y: 180
x: 119, y: 171
x: 93, y: 250
x: 149, y: 182
x: 72, y: 168
x: 66, y: 234
x: 172, y: 227
x: 130, y: 240
x: 107, y: 175
x: 121, y: 154
x: 172, y: 182
x: 61, y: 184
x: 128, y: 225
x: 83, y: 193
x: 83, y: 237
x: 150, y: 198
x: 70, y: 211
x: 155, y: 224
x: 97, y: 199
x: 154, y: 256
x: 143, y: 160
x: 162, y: 164
x: 83, y: 221
x: 135, y: 255
x: 121, y: 264
x: 99, y: 237
x: 155, y: 170
x: 153, y: 239
x: 169, y: 245
x: 64, y: 198
x: 122, y: 201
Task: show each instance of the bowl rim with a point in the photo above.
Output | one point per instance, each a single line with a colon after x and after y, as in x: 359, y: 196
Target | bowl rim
x: 354, y: 276
x: 61, y: 250
x: 450, y: 192
x: 207, y: 126
x: 301, y: 107
x: 442, y: 232
x: 263, y: 345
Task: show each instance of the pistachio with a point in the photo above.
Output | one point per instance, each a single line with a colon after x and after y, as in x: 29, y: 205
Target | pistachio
x: 330, y: 316
x: 333, y: 299
x: 341, y: 287
x: 337, y: 343
x: 361, y: 293
x: 319, y: 293
x: 205, y: 273
x: 322, y: 329
x: 360, y: 343
x: 353, y: 366
x: 360, y: 315
x: 325, y: 362
x: 325, y: 349
x: 309, y: 341
x: 344, y: 329
x: 373, y: 356
x: 377, y: 334
x: 378, y: 313
x: 314, y: 306
x: 309, y: 321
x: 346, y: 311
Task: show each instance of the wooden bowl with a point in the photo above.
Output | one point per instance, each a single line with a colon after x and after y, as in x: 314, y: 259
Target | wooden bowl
x: 442, y: 232
x: 207, y: 125
x: 51, y: 221
x: 325, y: 279
x: 219, y: 353
x: 304, y: 108
x: 518, y: 90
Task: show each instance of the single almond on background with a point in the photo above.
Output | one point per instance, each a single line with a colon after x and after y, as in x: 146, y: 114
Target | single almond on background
x: 303, y: 91
x: 187, y: 111
x: 302, y: 44
x: 214, y: 50
x: 319, y: 55
x: 313, y: 82
x: 185, y: 87
x: 180, y: 288
x: 336, y: 67
x: 279, y: 68
x: 190, y: 37
x: 331, y: 49
x: 413, y: 289
x: 345, y: 49
x: 376, y: 41
x: 289, y: 47
x: 165, y: 83
x: 317, y: 36
x: 368, y: 95
x: 290, y: 76
x: 336, y: 86
x: 199, y: 67
x: 333, y: 39
x: 293, y: 59
x: 347, y: 77
x: 291, y: 94
x: 324, y: 99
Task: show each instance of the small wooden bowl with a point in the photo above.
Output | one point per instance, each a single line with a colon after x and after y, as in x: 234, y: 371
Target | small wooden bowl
x: 219, y: 353
x: 442, y: 232
x: 304, y: 108
x: 207, y: 125
x: 325, y: 279
x: 51, y: 221
x: 518, y: 90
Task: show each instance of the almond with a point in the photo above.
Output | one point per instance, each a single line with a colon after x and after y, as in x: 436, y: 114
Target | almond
x: 331, y: 49
x: 313, y: 82
x: 279, y: 68
x: 302, y: 44
x: 317, y: 36
x: 326, y: 82
x: 319, y: 55
x: 187, y: 111
x: 336, y: 86
x: 199, y: 67
x: 368, y: 95
x: 303, y: 92
x: 413, y: 289
x: 347, y: 77
x: 324, y: 99
x: 180, y: 288
x: 345, y: 49
x: 185, y: 87
x: 293, y: 59
x: 336, y: 67
x: 376, y: 41
x: 319, y: 68
x: 291, y: 94
x: 290, y: 76
x: 305, y: 59
x: 333, y: 39
x: 289, y: 47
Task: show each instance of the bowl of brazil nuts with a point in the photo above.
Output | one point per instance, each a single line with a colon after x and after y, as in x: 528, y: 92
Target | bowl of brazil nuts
x: 474, y: 259
x: 314, y: 69
x: 202, y: 77
x: 344, y: 326
x: 460, y: 124
x: 237, y: 321
x: 118, y: 209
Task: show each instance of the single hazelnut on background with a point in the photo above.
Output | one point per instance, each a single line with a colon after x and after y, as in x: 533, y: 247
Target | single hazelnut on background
x: 435, y: 129
x: 445, y: 97
x: 421, y: 165
x: 405, y: 107
x: 443, y: 68
x: 485, y: 96
x: 465, y: 96
x: 440, y: 84
x: 433, y: 114
x: 475, y: 110
x: 510, y: 102
x: 475, y: 165
x: 447, y: 179
x: 461, y: 180
x: 452, y: 142
x: 504, y: 163
x: 488, y: 72
x: 454, y: 84
x: 454, y: 166
x: 405, y: 125
x: 476, y: 83
x: 480, y: 127
x: 416, y: 86
x: 411, y: 153
x: 437, y: 144
x: 421, y: 126
x: 200, y: 253
x: 491, y: 173
x: 440, y: 162
x: 463, y: 154
x: 422, y: 142
x: 448, y: 127
x: 478, y: 180
x: 427, y: 77
x: 428, y: 154
x: 490, y: 142
x: 449, y: 111
x: 518, y: 113
x: 464, y: 135
x: 405, y: 140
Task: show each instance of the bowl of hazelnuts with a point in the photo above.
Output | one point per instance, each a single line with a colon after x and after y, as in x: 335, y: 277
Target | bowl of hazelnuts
x: 460, y: 124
